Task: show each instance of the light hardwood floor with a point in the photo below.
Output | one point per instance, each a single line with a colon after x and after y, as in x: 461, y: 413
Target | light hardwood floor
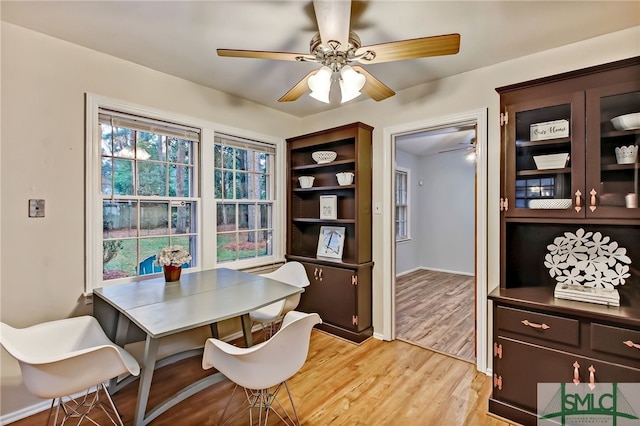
x: 375, y: 383
x: 435, y: 310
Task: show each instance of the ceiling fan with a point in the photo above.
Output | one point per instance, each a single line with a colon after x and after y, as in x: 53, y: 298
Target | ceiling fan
x: 341, y: 54
x: 469, y: 147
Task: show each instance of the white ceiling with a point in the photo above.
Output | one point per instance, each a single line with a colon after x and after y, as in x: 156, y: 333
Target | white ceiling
x: 181, y: 37
x: 437, y: 141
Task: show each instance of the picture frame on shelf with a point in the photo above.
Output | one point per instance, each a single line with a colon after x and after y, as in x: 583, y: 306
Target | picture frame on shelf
x: 329, y: 207
x: 331, y: 242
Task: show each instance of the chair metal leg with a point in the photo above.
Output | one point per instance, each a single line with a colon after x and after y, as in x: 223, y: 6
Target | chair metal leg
x: 271, y: 328
x: 79, y: 408
x: 264, y: 401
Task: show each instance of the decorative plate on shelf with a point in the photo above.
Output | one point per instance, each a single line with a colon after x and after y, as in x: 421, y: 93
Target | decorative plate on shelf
x: 559, y: 203
x: 587, y: 266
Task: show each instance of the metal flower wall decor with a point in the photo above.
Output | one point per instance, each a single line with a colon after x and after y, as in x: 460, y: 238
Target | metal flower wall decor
x: 589, y: 259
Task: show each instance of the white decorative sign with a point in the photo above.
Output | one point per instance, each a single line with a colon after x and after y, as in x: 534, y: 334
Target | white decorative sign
x: 549, y: 130
x: 587, y: 267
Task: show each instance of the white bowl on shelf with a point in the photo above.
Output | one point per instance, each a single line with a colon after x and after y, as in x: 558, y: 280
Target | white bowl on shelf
x: 626, y: 154
x: 555, y: 204
x: 323, y: 157
x: 627, y: 121
x: 551, y: 161
x: 306, y: 181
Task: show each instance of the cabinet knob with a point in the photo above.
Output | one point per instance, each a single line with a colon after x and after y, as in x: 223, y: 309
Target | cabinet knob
x: 576, y: 373
x: 578, y: 206
x: 593, y: 194
x: 320, y: 274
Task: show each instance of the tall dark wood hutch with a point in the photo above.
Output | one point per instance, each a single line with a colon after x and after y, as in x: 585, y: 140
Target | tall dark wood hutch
x: 340, y: 289
x: 538, y: 338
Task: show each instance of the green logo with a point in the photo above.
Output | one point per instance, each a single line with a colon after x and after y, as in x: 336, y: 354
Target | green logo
x: 588, y: 404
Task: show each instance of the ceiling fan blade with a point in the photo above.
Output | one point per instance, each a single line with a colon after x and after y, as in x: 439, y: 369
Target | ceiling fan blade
x: 468, y: 148
x: 298, y: 90
x: 448, y: 44
x: 333, y: 18
x: 261, y: 54
x: 373, y: 87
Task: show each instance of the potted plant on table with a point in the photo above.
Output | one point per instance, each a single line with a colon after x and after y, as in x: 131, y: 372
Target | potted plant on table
x: 171, y: 258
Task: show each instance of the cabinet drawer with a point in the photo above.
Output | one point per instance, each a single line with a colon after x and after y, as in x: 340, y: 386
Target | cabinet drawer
x: 605, y: 338
x: 542, y: 326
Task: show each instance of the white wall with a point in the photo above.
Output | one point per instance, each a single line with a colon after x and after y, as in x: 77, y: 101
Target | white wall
x: 441, y: 213
x: 43, y: 83
x: 446, y: 220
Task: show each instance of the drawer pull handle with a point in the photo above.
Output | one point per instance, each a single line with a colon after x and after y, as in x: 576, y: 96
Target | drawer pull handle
x: 577, y: 206
x: 631, y: 344
x: 592, y: 378
x: 542, y: 326
x: 593, y: 194
x: 576, y: 373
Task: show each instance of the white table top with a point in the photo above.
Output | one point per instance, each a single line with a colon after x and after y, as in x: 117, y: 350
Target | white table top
x: 199, y: 298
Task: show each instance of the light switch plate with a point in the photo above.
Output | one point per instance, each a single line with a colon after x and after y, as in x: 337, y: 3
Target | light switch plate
x: 36, y: 208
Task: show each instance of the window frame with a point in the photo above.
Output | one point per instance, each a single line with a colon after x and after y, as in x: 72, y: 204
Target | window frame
x: 233, y: 142
x: 407, y: 173
x: 206, y: 227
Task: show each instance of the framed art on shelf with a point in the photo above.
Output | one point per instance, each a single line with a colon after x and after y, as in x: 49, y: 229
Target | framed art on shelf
x: 331, y: 242
x: 329, y: 207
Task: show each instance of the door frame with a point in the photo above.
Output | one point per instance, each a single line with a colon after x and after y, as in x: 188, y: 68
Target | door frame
x: 479, y: 118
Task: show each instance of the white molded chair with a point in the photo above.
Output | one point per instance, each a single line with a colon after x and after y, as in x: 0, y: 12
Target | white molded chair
x: 266, y: 365
x: 270, y: 316
x: 61, y: 358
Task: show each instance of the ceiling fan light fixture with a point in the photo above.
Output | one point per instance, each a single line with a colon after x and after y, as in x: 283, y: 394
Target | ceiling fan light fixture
x: 320, y: 84
x: 471, y: 156
x: 351, y: 82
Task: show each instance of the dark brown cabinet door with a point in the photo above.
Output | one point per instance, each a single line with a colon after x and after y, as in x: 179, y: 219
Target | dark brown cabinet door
x: 613, y: 125
x: 522, y: 366
x: 330, y: 294
x: 544, y: 157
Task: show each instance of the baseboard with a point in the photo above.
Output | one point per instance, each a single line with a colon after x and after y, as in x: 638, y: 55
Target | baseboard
x: 423, y: 268
x: 36, y: 408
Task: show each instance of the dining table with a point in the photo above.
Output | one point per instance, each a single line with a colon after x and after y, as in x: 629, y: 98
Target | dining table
x: 151, y: 309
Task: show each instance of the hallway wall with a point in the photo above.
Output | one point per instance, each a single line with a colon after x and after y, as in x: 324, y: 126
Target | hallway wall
x: 441, y: 214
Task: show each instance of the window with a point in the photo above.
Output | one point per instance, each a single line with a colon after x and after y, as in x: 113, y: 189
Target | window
x: 244, y: 195
x: 155, y: 179
x: 402, y: 204
x: 149, y: 193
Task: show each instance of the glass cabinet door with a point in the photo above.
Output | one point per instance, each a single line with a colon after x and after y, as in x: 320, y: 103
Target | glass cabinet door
x: 544, y: 160
x: 613, y: 136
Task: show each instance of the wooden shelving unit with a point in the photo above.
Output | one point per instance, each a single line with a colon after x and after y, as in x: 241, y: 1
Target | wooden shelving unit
x: 340, y: 289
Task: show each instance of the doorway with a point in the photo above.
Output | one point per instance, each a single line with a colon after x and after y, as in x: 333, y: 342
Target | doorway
x: 435, y: 239
x: 478, y: 118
